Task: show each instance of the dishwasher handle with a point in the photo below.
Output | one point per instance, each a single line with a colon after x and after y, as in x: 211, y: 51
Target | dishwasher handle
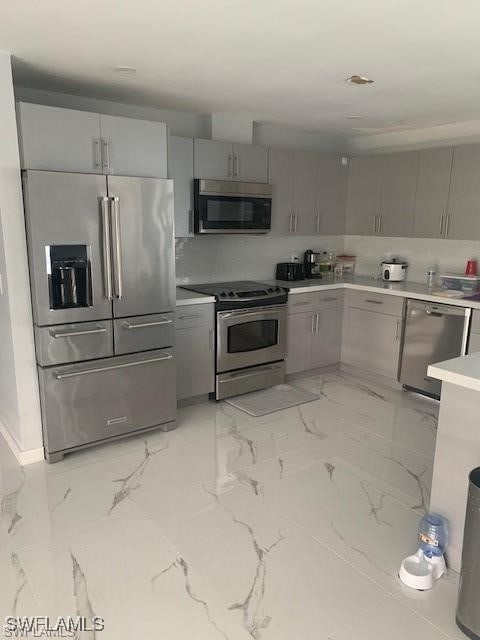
x: 438, y: 310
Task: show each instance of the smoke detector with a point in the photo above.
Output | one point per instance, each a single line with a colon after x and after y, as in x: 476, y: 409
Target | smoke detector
x: 355, y: 79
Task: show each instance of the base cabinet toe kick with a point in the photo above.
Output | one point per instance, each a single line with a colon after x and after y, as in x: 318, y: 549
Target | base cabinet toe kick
x: 102, y: 400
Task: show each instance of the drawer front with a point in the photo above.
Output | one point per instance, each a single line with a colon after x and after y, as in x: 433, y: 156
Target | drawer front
x: 475, y: 323
x: 194, y: 315
x: 301, y: 302
x: 73, y: 342
x: 143, y: 333
x: 332, y: 298
x: 382, y: 303
x: 91, y: 402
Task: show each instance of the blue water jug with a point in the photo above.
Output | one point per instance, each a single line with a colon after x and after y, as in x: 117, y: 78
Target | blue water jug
x: 432, y: 534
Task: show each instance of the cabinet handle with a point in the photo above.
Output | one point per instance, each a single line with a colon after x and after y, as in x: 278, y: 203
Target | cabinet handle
x: 210, y: 339
x: 236, y: 165
x: 196, y: 315
x: 375, y: 223
x: 441, y: 224
x: 380, y: 220
x: 190, y: 221
x: 294, y: 223
x: 397, y: 330
x: 317, y: 322
x: 373, y: 301
x: 290, y: 219
x: 106, y: 155
x: 328, y: 299
x: 299, y: 304
x: 317, y: 227
x: 97, y: 154
x: 312, y: 328
x: 447, y: 224
x: 230, y: 166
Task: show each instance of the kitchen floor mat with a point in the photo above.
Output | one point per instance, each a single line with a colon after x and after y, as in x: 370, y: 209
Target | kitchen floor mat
x: 281, y: 396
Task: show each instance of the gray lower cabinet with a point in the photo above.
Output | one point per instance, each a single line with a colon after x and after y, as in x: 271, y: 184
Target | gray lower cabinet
x: 195, y: 350
x: 180, y: 170
x: 433, y: 185
x: 314, y: 331
x: 474, y: 339
x: 371, y: 335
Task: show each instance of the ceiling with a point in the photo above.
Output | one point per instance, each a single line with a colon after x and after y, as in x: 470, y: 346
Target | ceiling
x: 280, y: 61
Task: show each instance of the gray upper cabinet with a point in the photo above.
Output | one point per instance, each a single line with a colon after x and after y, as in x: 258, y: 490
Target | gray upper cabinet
x: 250, y: 163
x: 216, y: 160
x: 398, y: 194
x: 55, y: 139
x: 331, y: 195
x: 213, y: 160
x: 180, y: 170
x: 280, y: 176
x: 463, y: 218
x: 132, y: 147
x: 305, y: 175
x: 433, y: 186
x: 364, y: 194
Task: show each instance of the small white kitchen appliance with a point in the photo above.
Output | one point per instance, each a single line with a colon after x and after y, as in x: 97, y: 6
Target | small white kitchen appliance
x: 394, y: 269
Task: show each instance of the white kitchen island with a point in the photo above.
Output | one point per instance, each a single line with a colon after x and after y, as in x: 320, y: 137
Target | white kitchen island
x: 457, y: 449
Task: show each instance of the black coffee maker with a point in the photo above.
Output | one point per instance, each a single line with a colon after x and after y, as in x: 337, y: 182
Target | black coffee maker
x: 312, y: 261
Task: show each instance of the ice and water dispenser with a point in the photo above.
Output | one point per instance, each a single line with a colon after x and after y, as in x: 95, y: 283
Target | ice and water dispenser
x: 69, y: 276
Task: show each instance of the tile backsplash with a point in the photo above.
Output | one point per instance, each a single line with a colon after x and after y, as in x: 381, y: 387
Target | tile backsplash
x: 224, y: 258
x: 420, y: 253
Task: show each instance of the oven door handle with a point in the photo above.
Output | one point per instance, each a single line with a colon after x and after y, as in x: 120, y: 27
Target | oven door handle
x: 249, y: 313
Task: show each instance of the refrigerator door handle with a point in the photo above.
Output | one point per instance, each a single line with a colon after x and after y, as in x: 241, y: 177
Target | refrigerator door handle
x: 107, y: 248
x: 117, y: 248
x: 84, y: 372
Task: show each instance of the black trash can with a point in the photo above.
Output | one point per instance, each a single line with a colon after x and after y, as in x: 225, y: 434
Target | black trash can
x: 468, y: 606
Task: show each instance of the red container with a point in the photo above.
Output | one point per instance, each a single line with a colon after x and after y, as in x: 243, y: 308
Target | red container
x: 471, y: 268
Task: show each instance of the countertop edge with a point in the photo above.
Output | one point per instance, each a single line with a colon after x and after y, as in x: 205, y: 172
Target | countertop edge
x: 451, y: 371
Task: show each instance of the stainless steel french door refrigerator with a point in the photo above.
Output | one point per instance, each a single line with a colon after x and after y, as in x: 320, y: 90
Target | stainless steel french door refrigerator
x: 101, y: 258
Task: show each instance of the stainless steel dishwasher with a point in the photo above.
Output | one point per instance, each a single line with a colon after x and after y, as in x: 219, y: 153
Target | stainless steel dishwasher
x: 432, y: 333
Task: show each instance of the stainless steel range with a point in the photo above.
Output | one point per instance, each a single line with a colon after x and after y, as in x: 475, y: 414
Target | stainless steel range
x: 250, y: 341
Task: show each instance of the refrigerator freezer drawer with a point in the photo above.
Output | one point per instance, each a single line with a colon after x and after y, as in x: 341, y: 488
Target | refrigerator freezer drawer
x: 142, y: 333
x: 88, y: 403
x: 74, y: 342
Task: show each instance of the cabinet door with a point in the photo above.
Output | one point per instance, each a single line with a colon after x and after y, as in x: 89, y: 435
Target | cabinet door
x: 398, y: 194
x: 327, y: 339
x: 213, y: 160
x: 463, y: 221
x: 331, y: 196
x: 371, y: 341
x: 474, y: 343
x: 180, y: 170
x: 431, y: 200
x: 305, y: 176
x: 195, y: 361
x: 299, y: 342
x: 55, y: 139
x: 135, y: 147
x: 251, y: 163
x: 363, y: 194
x: 280, y: 176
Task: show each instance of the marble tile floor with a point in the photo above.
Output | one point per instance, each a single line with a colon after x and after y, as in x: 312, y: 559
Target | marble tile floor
x: 292, y: 525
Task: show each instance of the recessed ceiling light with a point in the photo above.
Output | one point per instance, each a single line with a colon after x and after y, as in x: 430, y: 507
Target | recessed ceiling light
x: 355, y: 79
x: 125, y: 70
x: 354, y: 117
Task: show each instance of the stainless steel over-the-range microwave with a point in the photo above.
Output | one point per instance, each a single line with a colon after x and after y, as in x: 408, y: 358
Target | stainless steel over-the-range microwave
x: 223, y: 206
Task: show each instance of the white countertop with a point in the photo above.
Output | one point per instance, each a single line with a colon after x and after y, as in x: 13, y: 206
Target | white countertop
x: 463, y: 371
x: 185, y: 297
x: 363, y: 283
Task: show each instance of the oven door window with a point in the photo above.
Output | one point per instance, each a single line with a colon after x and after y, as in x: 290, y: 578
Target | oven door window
x: 224, y: 212
x: 251, y: 336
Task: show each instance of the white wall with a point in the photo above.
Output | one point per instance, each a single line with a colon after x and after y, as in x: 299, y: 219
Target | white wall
x: 420, y: 253
x: 19, y: 401
x: 210, y: 259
